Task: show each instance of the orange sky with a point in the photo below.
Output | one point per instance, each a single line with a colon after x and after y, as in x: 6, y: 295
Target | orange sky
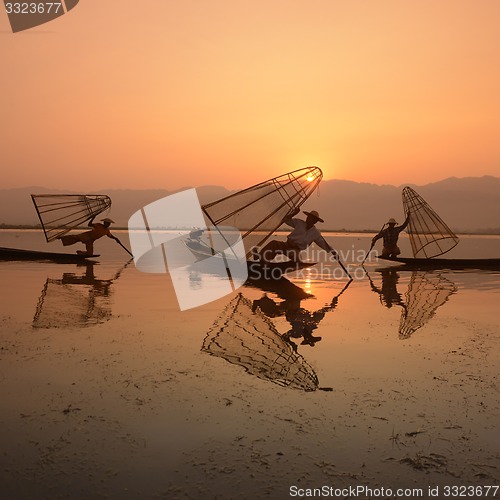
x: 160, y: 93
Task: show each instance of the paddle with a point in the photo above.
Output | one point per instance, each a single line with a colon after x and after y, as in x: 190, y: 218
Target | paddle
x: 123, y: 246
x: 337, y: 258
x: 372, y: 245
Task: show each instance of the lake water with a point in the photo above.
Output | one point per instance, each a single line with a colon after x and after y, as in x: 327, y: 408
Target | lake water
x: 109, y: 391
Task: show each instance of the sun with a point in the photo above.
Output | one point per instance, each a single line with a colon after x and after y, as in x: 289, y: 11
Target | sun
x: 312, y: 175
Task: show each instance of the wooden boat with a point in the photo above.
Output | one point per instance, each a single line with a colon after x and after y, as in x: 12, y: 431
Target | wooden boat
x: 35, y: 255
x: 424, y: 263
x: 257, y: 270
x: 430, y: 238
x: 257, y: 211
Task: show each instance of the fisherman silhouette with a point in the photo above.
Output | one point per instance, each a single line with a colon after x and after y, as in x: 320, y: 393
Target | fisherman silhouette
x: 88, y: 237
x: 304, y: 234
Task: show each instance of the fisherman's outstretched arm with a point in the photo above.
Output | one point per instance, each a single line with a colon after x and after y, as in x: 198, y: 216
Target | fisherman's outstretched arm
x: 288, y: 220
x: 91, y: 222
x: 322, y: 243
x: 405, y: 223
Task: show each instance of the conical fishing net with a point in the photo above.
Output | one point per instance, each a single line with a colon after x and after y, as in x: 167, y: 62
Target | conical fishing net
x: 426, y: 292
x: 250, y: 340
x: 429, y: 235
x: 59, y: 213
x: 66, y: 305
x: 259, y: 210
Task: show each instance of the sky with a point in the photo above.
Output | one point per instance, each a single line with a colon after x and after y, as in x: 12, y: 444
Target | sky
x: 168, y: 94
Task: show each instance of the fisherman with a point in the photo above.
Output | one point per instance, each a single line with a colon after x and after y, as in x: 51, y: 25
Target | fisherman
x: 303, y: 235
x: 390, y: 236
x: 88, y: 237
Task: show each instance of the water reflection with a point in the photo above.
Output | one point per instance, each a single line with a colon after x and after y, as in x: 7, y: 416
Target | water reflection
x: 427, y: 291
x: 244, y: 336
x: 75, y: 300
x: 302, y: 321
x: 388, y: 291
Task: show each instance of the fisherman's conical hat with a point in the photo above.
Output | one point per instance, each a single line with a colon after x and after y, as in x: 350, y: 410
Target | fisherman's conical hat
x: 315, y: 214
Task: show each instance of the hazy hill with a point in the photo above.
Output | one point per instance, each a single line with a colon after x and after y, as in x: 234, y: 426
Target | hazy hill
x: 16, y: 206
x: 467, y: 204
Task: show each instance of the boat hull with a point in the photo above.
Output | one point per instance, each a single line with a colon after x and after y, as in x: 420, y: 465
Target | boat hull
x: 412, y: 263
x: 14, y: 254
x: 257, y: 270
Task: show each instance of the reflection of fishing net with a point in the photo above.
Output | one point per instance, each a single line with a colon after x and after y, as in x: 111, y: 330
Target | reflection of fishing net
x: 429, y: 235
x: 262, y: 207
x: 63, y: 305
x: 250, y: 340
x: 426, y: 292
x: 59, y: 213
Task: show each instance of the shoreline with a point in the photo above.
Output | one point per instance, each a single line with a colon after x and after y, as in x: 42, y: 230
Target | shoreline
x: 343, y: 230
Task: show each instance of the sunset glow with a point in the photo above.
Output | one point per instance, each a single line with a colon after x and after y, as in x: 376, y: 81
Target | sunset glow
x: 173, y: 94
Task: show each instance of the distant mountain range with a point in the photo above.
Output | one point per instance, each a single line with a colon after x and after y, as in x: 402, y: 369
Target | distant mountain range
x: 470, y: 204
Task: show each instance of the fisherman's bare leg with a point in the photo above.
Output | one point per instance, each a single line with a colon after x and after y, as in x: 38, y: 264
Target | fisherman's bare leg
x: 89, y: 245
x: 391, y: 252
x: 293, y: 254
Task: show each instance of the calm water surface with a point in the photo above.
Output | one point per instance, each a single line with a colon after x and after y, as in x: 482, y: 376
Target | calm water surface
x: 108, y: 390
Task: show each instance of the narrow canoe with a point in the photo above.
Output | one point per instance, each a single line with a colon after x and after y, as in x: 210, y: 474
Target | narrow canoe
x: 35, y: 255
x: 257, y: 270
x: 412, y: 263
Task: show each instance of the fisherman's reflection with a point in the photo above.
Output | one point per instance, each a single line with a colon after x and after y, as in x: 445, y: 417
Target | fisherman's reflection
x: 100, y: 288
x: 302, y: 321
x: 388, y: 291
x: 75, y: 299
x: 248, y: 338
x: 426, y: 292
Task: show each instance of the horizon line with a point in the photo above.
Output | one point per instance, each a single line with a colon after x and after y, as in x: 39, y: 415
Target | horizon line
x: 89, y: 191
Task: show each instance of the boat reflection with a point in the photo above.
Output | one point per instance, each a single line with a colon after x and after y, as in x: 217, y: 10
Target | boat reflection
x: 427, y: 291
x: 244, y: 336
x: 75, y: 300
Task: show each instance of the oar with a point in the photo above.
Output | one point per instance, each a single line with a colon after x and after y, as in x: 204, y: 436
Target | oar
x: 123, y: 246
x: 337, y: 258
x: 372, y: 245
